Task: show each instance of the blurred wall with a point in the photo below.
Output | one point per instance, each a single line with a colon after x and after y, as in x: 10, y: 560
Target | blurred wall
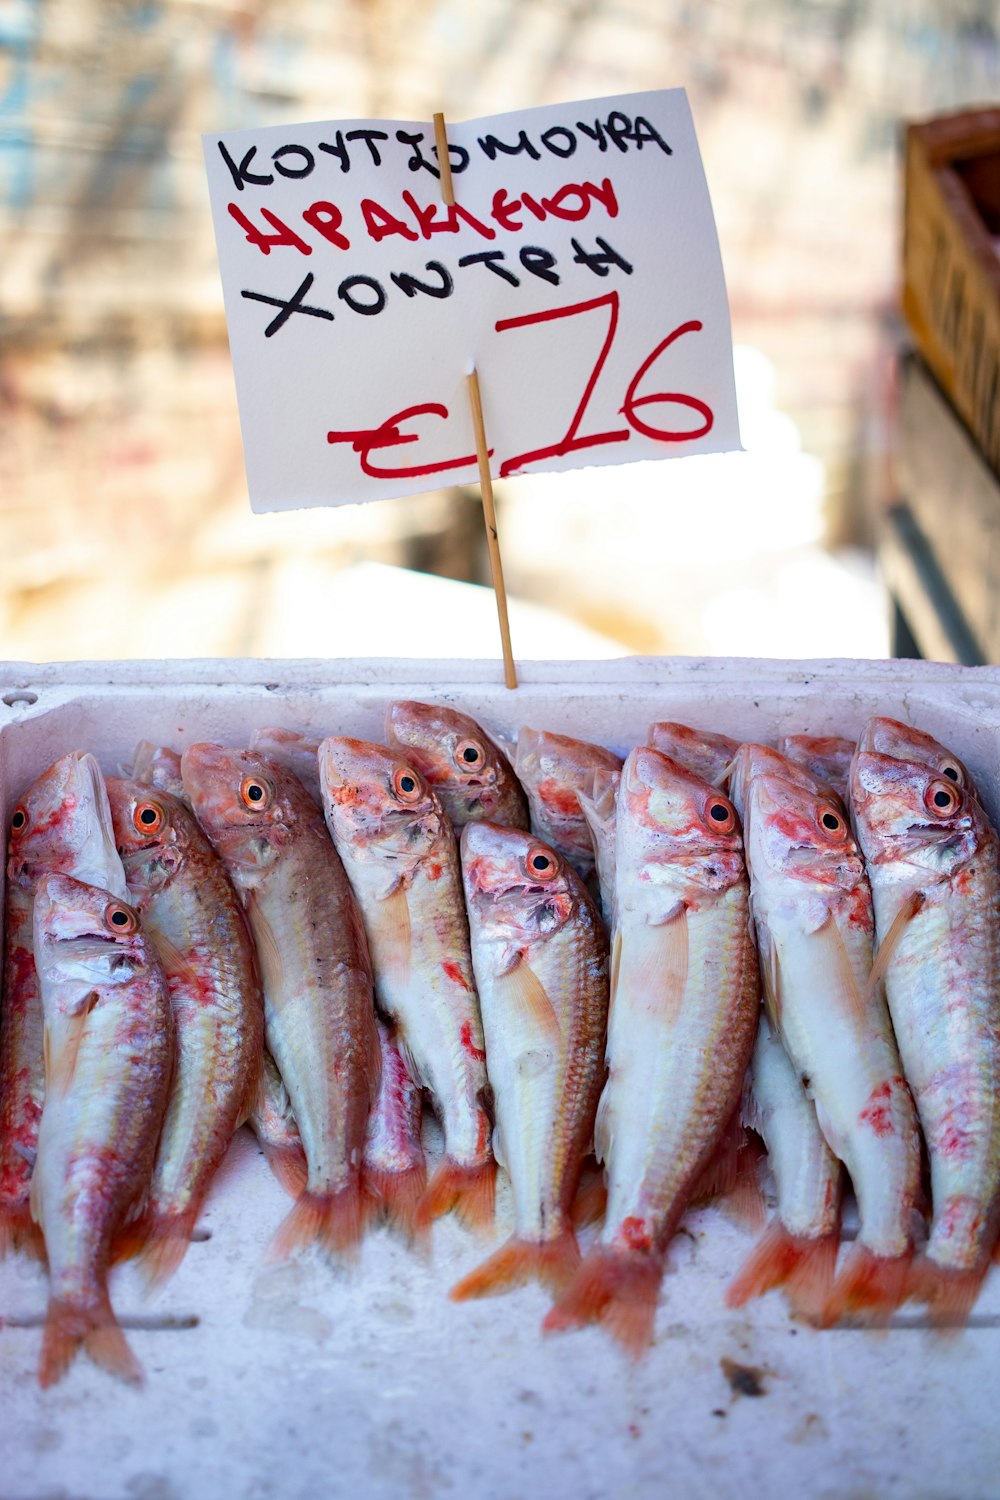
x: 121, y: 475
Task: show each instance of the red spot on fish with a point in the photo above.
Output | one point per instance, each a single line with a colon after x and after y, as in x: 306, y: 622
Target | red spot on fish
x: 453, y: 972
x: 878, y: 1111
x: 433, y: 872
x: 954, y: 1141
x: 559, y: 798
x: 465, y: 1037
x: 636, y: 1234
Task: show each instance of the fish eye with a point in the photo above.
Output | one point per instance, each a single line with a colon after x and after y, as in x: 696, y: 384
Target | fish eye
x: 121, y: 919
x: 255, y: 792
x: 470, y: 753
x: 833, y: 823
x: 148, y: 817
x: 19, y: 821
x: 541, y: 864
x: 942, y: 798
x: 952, y: 772
x: 722, y: 815
x: 406, y: 785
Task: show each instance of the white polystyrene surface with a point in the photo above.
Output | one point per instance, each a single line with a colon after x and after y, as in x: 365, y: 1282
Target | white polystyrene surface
x: 301, y: 1380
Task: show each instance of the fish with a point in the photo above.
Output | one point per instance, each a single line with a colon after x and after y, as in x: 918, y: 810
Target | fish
x: 319, y: 1017
x: 191, y: 912
x: 905, y: 742
x: 798, y: 1250
x: 683, y: 1016
x: 61, y: 824
x: 293, y: 749
x: 400, y: 854
x: 108, y: 1058
x: 273, y: 1123
x: 394, y: 1173
x: 468, y: 770
x: 540, y: 956
x: 812, y: 910
x: 554, y: 769
x: 699, y: 750
x: 157, y: 766
x: 598, y: 804
x: 826, y: 756
x: 752, y: 759
x: 934, y: 864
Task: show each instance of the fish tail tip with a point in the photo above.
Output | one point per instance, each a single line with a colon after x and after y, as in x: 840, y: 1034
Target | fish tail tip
x: 396, y: 1197
x: 468, y: 1190
x: 97, y: 1330
x: 552, y: 1262
x: 803, y: 1268
x: 869, y: 1287
x: 617, y: 1288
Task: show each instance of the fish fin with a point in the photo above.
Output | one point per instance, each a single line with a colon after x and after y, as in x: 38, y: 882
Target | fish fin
x: 618, y: 1288
x: 770, y: 977
x: 893, y: 937
x: 97, y: 1329
x: 603, y: 1126
x: 396, y: 1196
x: 657, y: 960
x: 334, y: 1221
x: 551, y: 1262
x: 835, y: 958
x: 615, y: 969
x: 289, y: 1165
x: 469, y: 1190
x: 869, y: 1287
x: 159, y: 1243
x: 591, y: 1196
x: 521, y: 993
x: 267, y: 947
x: 396, y: 934
x: 172, y: 960
x: 60, y: 1058
x: 950, y: 1295
x: 803, y: 1268
x: 18, y: 1231
x: 744, y: 1202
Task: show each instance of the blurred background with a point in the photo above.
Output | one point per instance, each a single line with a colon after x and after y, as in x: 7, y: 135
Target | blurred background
x: 124, y: 523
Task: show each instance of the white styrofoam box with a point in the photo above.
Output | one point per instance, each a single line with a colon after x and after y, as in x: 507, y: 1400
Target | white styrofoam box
x: 305, y: 1380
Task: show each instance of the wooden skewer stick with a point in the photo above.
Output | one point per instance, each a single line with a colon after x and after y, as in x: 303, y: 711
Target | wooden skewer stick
x: 490, y: 516
x: 444, y: 161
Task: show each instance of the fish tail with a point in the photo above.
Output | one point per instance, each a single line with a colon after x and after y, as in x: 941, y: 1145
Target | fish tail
x: 618, y: 1288
x: 396, y: 1196
x: 804, y: 1269
x: 67, y: 1326
x: 18, y: 1231
x: 950, y: 1295
x: 165, y: 1238
x: 869, y: 1287
x: 335, y: 1221
x: 469, y: 1190
x: 289, y: 1165
x: 552, y: 1262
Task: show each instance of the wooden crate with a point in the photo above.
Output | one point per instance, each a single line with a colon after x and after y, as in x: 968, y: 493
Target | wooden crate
x: 951, y: 266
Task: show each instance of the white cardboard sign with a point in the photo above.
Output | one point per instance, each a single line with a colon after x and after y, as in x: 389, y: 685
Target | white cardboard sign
x: 579, y: 273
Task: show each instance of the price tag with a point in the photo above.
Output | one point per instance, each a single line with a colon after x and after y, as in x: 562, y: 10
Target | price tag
x: 578, y: 272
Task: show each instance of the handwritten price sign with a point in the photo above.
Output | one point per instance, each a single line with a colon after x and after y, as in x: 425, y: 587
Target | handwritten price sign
x: 578, y: 272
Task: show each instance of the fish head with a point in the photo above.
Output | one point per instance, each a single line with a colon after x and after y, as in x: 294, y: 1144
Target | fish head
x: 158, y: 766
x: 151, y: 833
x: 554, y: 770
x: 753, y: 760
x: 518, y: 890
x: 904, y: 742
x: 799, y: 840
x: 675, y: 831
x: 377, y: 804
x: 83, y: 937
x: 468, y: 771
x: 912, y: 815
x: 826, y: 756
x: 62, y: 824
x: 699, y: 750
x: 246, y: 802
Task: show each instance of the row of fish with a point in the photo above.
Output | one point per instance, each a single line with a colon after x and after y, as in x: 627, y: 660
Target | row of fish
x: 425, y: 920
